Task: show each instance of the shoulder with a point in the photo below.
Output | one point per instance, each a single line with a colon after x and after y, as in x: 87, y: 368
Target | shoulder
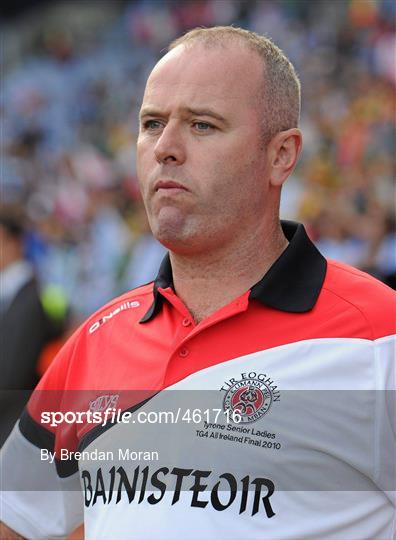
x: 364, y: 295
x: 109, y: 326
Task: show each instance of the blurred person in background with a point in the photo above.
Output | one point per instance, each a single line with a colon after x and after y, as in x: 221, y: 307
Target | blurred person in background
x: 385, y: 254
x: 25, y: 326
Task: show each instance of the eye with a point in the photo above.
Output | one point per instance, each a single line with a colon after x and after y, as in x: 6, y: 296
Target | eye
x: 203, y: 126
x: 152, y: 125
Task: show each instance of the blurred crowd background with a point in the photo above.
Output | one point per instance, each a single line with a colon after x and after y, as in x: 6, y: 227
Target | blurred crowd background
x: 73, y: 75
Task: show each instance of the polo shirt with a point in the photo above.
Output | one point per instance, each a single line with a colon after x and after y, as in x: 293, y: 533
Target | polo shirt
x: 273, y: 417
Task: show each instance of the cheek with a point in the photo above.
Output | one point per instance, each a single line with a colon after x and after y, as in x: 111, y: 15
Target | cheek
x: 239, y: 185
x: 141, y: 156
x: 143, y: 165
x: 230, y: 182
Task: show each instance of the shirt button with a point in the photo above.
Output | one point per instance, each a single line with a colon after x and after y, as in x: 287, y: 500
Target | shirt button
x: 184, y: 352
x: 186, y: 322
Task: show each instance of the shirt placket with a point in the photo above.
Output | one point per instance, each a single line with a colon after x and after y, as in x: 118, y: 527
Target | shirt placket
x: 186, y: 330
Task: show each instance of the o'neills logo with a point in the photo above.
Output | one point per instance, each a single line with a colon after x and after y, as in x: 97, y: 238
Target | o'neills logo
x: 249, y: 398
x: 105, y: 318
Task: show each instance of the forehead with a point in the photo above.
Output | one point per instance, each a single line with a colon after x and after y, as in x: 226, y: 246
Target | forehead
x: 226, y: 77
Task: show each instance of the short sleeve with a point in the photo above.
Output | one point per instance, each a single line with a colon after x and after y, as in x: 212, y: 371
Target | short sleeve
x: 385, y: 416
x: 38, y: 500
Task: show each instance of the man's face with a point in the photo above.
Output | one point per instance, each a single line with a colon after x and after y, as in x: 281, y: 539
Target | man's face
x: 201, y: 161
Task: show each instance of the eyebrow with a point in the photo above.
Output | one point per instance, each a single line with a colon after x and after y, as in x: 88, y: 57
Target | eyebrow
x: 206, y: 112
x: 198, y: 112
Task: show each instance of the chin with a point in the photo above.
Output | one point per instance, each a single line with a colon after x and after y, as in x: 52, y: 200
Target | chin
x: 171, y: 239
x: 176, y: 232
x: 168, y: 226
x: 175, y: 240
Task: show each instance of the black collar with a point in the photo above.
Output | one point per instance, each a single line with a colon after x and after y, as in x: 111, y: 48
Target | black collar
x: 292, y: 284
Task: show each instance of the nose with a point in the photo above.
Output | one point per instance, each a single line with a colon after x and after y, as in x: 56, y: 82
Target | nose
x: 170, y: 148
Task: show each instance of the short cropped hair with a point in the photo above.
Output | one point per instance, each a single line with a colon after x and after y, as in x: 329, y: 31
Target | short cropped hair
x: 281, y: 87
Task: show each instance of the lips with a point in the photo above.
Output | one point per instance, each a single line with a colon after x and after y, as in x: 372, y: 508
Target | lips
x: 170, y: 185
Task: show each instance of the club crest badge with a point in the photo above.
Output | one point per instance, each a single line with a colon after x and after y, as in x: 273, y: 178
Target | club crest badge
x: 250, y: 397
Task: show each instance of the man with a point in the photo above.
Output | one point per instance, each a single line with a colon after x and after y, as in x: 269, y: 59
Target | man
x: 246, y: 311
x: 25, y: 326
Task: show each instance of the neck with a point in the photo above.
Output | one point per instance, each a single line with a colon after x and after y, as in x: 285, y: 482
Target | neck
x: 207, y: 281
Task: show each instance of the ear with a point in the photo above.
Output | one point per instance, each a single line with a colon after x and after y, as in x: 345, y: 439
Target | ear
x: 283, y: 151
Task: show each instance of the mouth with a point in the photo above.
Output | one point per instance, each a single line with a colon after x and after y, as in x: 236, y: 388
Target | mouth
x: 169, y: 186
